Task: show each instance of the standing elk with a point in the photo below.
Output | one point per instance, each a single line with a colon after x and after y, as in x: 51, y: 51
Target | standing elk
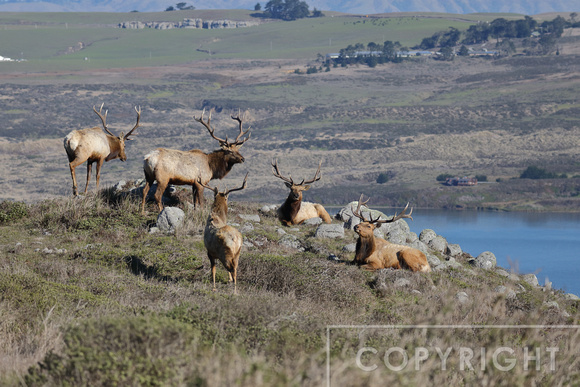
x: 221, y: 241
x: 193, y: 167
x: 373, y: 253
x: 93, y: 145
x: 294, y: 210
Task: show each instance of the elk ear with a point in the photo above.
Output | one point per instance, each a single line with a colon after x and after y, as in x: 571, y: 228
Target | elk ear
x: 288, y: 185
x: 306, y: 187
x: 377, y: 225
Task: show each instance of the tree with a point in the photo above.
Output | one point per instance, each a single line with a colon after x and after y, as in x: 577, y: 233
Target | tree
x: 547, y: 44
x: 390, y: 49
x: 463, y: 51
x: 257, y: 7
x: 317, y: 13
x: 286, y: 10
x: 450, y: 38
x: 446, y: 53
x: 506, y: 47
x: 533, y: 172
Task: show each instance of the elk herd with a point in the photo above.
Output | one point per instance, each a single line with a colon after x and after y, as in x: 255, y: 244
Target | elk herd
x: 197, y: 168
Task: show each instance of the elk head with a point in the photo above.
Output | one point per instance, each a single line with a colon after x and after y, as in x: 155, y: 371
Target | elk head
x: 122, y: 137
x: 231, y: 149
x: 367, y: 226
x: 220, y: 204
x: 296, y: 189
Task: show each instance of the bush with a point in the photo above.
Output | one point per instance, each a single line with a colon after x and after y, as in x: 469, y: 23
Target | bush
x: 481, y: 177
x: 12, y: 211
x: 443, y: 176
x: 384, y: 177
x: 533, y: 172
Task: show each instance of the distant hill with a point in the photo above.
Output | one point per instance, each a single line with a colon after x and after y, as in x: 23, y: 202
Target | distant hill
x: 526, y: 7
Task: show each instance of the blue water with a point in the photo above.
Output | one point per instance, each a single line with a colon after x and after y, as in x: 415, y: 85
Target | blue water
x: 546, y: 244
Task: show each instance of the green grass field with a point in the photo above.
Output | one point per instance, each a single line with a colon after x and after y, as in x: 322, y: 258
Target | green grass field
x: 43, y: 38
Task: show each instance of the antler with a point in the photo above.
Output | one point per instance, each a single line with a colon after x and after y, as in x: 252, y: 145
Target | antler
x: 126, y: 137
x: 316, y: 177
x: 228, y: 191
x: 207, y: 124
x: 277, y: 173
x: 357, y: 212
x: 378, y: 220
x: 242, y: 133
x: 103, y: 117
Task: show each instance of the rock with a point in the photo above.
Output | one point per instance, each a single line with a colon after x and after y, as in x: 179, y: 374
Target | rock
x: 268, y: 208
x: 433, y: 260
x: 247, y: 228
x: 454, y: 250
x: 119, y: 187
x: 412, y: 237
x: 502, y: 272
x: 281, y: 231
x: 401, y: 282
x: 350, y: 248
x: 170, y: 219
x: 427, y: 236
x: 571, y: 297
x: 438, y: 244
x: 291, y: 241
x: 531, y: 279
x: 447, y: 265
x: 329, y: 231
x: 485, y: 260
x: 313, y: 221
x: 462, y: 297
x: 333, y: 257
x: 250, y: 218
x: 397, y: 236
x: 509, y: 293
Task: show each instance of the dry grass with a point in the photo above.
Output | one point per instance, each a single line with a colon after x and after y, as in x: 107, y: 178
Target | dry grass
x: 122, y: 306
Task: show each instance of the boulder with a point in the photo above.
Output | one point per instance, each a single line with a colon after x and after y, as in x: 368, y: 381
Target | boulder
x: 170, y: 219
x: 485, y: 260
x: 329, y: 231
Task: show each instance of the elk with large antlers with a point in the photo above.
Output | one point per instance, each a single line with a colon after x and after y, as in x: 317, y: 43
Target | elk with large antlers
x: 93, y: 145
x: 294, y: 210
x: 373, y: 253
x: 193, y: 167
x: 222, y: 241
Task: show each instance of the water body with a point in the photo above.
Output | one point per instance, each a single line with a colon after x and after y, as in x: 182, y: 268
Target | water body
x: 546, y: 244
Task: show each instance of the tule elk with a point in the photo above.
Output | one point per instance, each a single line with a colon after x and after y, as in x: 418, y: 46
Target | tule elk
x: 294, y: 210
x: 373, y: 253
x: 221, y: 241
x: 193, y: 167
x: 93, y: 145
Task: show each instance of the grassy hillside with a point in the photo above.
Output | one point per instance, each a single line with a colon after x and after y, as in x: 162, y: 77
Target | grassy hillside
x: 44, y: 38
x: 89, y: 297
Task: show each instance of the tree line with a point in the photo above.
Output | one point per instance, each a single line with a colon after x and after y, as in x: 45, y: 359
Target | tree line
x: 536, y: 39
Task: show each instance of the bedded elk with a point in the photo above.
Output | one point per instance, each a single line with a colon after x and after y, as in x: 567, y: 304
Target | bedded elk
x: 374, y: 253
x: 193, y: 167
x: 93, y: 145
x: 294, y: 210
x: 221, y: 241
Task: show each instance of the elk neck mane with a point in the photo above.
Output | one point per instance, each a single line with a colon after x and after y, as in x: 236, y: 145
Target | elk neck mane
x: 218, y: 164
x: 365, y: 246
x: 290, y: 208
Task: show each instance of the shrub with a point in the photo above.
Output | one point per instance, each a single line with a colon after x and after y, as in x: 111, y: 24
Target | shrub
x: 481, y: 177
x: 533, y: 172
x: 443, y: 176
x: 12, y: 211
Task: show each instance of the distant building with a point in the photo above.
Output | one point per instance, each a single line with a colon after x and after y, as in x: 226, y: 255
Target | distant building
x: 461, y: 181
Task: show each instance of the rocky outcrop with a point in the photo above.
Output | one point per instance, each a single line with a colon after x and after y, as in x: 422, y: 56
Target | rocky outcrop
x: 189, y: 23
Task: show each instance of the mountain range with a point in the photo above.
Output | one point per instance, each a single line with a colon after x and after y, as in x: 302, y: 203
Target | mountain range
x: 526, y: 7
